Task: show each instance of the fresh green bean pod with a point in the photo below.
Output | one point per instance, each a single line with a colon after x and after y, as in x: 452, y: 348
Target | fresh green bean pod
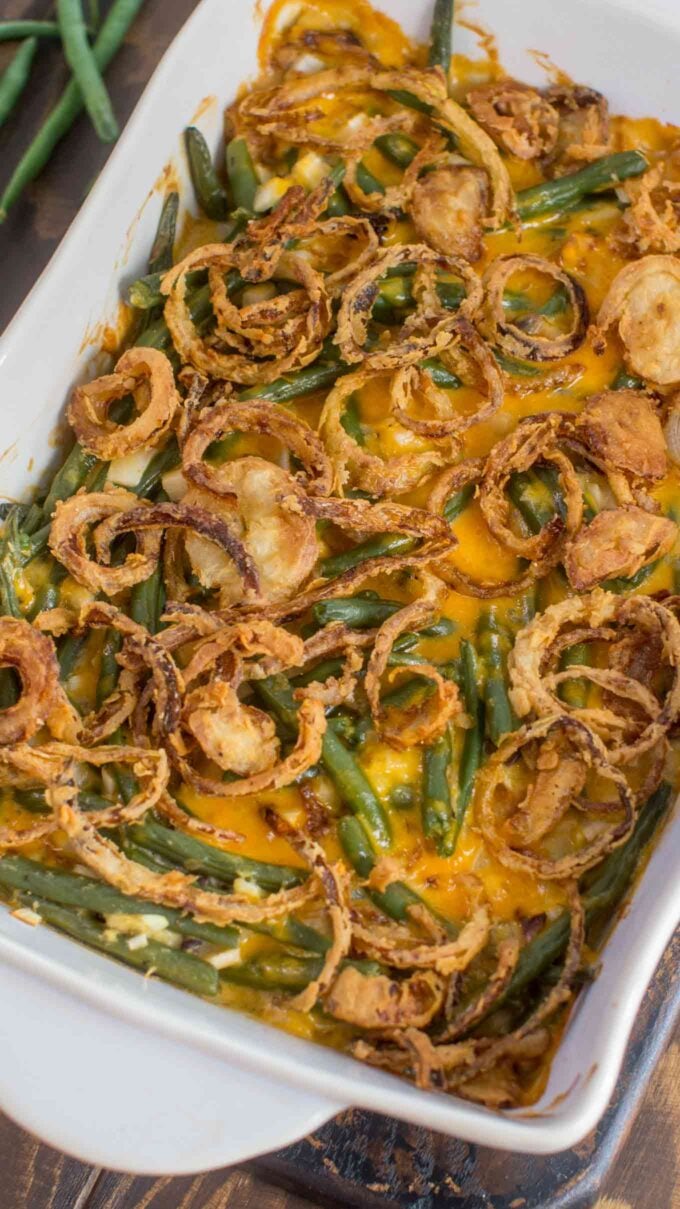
x: 243, y: 179
x: 164, y: 459
x: 162, y: 255
x: 210, y: 194
x: 83, y: 63
x: 15, y: 77
x: 375, y: 547
x: 398, y: 148
x: 473, y: 743
x: 183, y: 969
x: 493, y: 643
x: 358, y: 612
x: 575, y: 692
x: 439, y: 54
x: 15, y: 31
x: 438, y: 820
x: 198, y: 857
x: 74, y: 890
x: 69, y: 478
x: 147, y: 599
x: 295, y: 386
x: 458, y: 502
x: 564, y: 191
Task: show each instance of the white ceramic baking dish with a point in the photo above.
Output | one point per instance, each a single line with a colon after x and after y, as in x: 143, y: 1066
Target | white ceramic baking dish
x: 133, y: 1074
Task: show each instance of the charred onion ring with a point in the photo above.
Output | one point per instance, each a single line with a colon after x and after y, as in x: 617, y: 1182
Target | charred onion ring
x: 509, y: 336
x: 68, y: 541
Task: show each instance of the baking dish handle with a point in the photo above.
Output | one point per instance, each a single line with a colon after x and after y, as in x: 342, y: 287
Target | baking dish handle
x: 118, y: 1095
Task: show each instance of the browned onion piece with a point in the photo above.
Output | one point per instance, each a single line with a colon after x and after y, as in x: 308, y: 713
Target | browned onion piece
x: 147, y: 375
x: 354, y: 466
x: 71, y: 525
x: 174, y: 889
x: 260, y: 417
x: 533, y: 440
x: 622, y: 429
x: 255, y: 343
x: 334, y: 882
x: 425, y: 330
x: 448, y: 207
x: 428, y: 721
x: 588, y: 752
x: 41, y: 698
x: 618, y: 541
x: 359, y: 242
x: 509, y: 336
x: 584, y: 132
x: 516, y: 116
x: 534, y: 690
x: 183, y: 516
x: 285, y: 110
x: 652, y: 218
x: 378, y: 1002
x: 644, y: 302
x: 295, y: 216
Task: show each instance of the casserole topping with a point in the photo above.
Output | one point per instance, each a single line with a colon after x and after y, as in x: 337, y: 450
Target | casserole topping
x: 340, y: 663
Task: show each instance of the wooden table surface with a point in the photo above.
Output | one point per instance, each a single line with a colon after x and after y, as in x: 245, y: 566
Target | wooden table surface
x: 647, y: 1173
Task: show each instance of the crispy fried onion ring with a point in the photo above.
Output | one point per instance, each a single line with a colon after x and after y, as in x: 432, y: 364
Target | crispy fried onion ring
x: 334, y: 882
x: 264, y: 510
x: 555, y: 787
x: 425, y: 330
x: 256, y: 416
x: 285, y: 110
x: 601, y: 615
x: 71, y: 526
x: 147, y: 375
x: 174, y: 889
x: 339, y: 248
x: 461, y: 1022
x: 295, y: 216
x: 510, y: 336
x: 238, y: 737
x: 394, y: 197
x: 532, y: 441
x: 427, y: 721
x: 379, y: 1002
x: 396, y: 947
x: 516, y: 116
x: 619, y: 541
x: 41, y: 698
x: 202, y: 522
x: 255, y: 343
x: 652, y: 219
x: 644, y: 301
x: 355, y: 467
x: 457, y: 1066
x: 584, y: 123
x: 335, y: 639
x: 54, y: 765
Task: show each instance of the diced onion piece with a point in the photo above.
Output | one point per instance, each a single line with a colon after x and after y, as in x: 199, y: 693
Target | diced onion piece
x: 175, y: 485
x: 127, y: 471
x: 251, y: 890
x: 137, y: 942
x: 270, y: 193
x: 26, y: 916
x: 226, y: 957
x: 310, y: 170
x: 261, y: 292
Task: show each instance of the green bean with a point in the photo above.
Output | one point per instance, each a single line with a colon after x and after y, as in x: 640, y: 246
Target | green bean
x: 533, y: 500
x: 70, y: 651
x: 492, y: 645
x: 398, y: 148
x: 74, y: 890
x: 285, y: 972
x: 358, y: 612
x: 441, y: 376
x: 376, y: 547
x: 163, y: 460
x: 602, y: 889
x: 81, y: 59
x: 242, y: 175
x: 13, y: 31
x: 338, y: 204
x: 366, y: 181
x: 395, y: 293
x: 9, y: 565
x: 145, y: 293
x: 350, y: 780
x: 15, y: 77
x: 438, y: 820
x: 605, y: 173
x: 296, y: 386
x: 162, y: 255
x: 157, y: 335
x: 182, y: 969
x: 439, y: 54
x: 69, y: 478
x: 199, y: 857
x: 210, y: 194
x: 626, y: 381
x: 519, y: 369
x: 403, y: 97
x: 458, y: 502
x: 575, y: 692
x: 120, y: 16
x: 147, y: 599
x: 47, y: 596
x: 109, y: 668
x: 473, y: 742
x: 621, y: 583
x: 35, y: 800
x: 351, y: 421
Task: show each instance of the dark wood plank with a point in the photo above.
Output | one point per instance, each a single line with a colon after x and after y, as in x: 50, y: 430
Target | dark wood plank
x: 35, y: 1176
x: 236, y: 1188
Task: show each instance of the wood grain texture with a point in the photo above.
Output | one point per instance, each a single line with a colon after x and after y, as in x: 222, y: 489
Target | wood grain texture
x: 407, y: 1167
